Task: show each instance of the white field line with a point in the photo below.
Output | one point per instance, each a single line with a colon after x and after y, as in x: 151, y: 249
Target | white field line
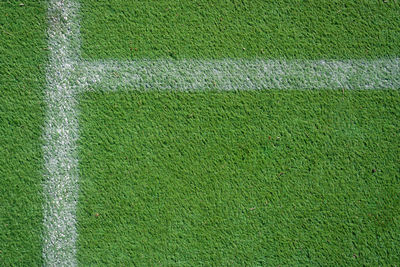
x: 239, y: 74
x: 61, y: 133
x: 68, y: 76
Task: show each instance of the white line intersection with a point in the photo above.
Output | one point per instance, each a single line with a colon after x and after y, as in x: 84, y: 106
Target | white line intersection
x: 68, y: 76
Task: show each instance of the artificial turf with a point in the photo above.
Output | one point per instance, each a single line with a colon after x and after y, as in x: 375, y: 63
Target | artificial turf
x: 22, y: 68
x: 210, y: 178
x: 207, y: 29
x: 240, y: 178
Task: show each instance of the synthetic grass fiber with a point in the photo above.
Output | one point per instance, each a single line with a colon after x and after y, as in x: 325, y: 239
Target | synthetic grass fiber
x: 22, y: 71
x: 198, y: 178
x: 239, y: 178
x: 207, y: 29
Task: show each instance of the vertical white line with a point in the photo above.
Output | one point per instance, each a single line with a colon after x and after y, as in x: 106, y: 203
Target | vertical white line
x: 67, y: 75
x: 61, y: 133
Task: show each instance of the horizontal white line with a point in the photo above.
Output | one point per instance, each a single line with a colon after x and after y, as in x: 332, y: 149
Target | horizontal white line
x: 67, y: 75
x: 240, y: 74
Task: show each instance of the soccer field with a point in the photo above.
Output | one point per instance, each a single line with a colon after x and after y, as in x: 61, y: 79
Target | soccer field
x: 199, y: 133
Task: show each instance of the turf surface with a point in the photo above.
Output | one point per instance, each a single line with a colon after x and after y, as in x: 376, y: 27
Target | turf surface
x: 240, y: 178
x: 22, y: 67
x: 210, y: 177
x: 206, y: 29
x: 245, y: 178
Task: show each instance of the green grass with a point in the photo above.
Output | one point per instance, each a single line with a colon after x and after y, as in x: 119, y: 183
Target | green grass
x: 207, y: 29
x: 22, y: 66
x: 240, y: 178
x: 210, y: 178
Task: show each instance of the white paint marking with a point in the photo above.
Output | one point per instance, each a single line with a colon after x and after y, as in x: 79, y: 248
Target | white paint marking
x: 240, y: 74
x: 61, y: 134
x: 67, y: 76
